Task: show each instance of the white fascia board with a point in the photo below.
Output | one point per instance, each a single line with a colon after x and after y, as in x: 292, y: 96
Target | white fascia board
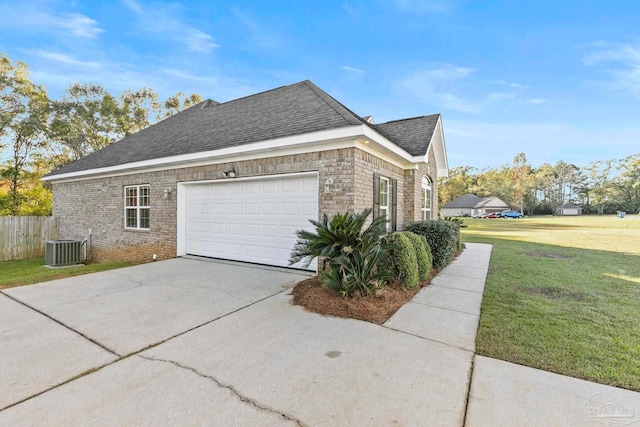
x: 386, y: 144
x: 443, y: 166
x: 439, y: 149
x: 346, y: 137
x: 209, y: 157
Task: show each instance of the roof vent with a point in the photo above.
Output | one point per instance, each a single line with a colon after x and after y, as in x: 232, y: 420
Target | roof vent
x: 368, y: 119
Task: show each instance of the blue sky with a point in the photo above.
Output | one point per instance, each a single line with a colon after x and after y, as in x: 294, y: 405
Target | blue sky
x: 556, y: 80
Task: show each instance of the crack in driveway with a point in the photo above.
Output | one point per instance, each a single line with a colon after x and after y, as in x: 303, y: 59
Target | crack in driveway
x: 229, y: 387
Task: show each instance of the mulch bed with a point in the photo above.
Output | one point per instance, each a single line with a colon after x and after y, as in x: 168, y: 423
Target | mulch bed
x: 378, y: 308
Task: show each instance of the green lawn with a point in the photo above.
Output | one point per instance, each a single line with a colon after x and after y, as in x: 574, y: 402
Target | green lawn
x: 563, y: 295
x: 30, y: 271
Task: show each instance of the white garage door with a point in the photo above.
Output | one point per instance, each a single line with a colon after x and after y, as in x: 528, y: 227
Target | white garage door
x: 250, y: 220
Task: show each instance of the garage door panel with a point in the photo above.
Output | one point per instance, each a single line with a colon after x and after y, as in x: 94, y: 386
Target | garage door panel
x: 270, y: 208
x: 252, y: 221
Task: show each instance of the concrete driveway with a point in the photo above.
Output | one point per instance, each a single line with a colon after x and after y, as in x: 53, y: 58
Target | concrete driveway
x: 54, y: 331
x: 191, y: 342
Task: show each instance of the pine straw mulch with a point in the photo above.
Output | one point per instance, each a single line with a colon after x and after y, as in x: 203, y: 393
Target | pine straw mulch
x: 378, y: 308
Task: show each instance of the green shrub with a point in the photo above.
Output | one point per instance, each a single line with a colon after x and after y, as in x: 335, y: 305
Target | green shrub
x: 353, y: 253
x: 359, y: 272
x: 423, y: 254
x: 401, y: 259
x: 456, y: 220
x: 442, y: 237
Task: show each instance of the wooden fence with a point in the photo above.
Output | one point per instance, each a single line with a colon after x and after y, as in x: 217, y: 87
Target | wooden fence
x: 23, y: 237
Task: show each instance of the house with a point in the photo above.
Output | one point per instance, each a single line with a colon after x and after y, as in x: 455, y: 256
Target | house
x: 235, y: 180
x: 568, y: 209
x: 470, y: 205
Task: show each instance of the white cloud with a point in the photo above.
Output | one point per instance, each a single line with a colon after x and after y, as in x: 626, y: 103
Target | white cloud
x: 197, y: 41
x: 134, y: 6
x: 162, y: 19
x: 27, y: 16
x: 623, y: 64
x: 80, y: 25
x: 64, y: 59
x: 537, y: 101
x: 352, y: 69
x: 434, y: 84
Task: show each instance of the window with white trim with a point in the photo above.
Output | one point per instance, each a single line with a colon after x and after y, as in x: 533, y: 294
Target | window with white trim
x: 383, y: 209
x: 136, y: 207
x: 425, y: 205
x: 385, y: 200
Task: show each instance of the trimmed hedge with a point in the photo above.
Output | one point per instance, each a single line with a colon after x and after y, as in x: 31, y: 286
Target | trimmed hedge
x: 423, y: 254
x: 443, y: 238
x: 402, y: 260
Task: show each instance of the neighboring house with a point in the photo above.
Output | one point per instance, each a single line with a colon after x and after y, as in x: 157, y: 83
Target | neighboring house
x: 470, y: 205
x: 235, y: 180
x: 568, y: 209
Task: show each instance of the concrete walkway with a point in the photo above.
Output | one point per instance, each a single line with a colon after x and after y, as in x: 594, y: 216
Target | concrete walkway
x: 503, y: 393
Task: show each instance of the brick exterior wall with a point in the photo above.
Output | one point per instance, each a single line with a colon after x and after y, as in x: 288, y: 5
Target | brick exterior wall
x: 98, y: 204
x: 366, y: 165
x: 413, y: 193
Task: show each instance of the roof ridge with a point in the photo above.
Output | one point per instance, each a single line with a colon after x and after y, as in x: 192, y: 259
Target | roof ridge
x: 334, y: 103
x: 408, y: 118
x: 259, y: 93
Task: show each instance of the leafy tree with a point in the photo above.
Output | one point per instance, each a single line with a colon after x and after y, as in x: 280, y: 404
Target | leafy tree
x: 24, y: 112
x: 174, y: 104
x: 496, y: 182
x: 89, y: 118
x: 522, y: 179
x: 601, y: 186
x: 629, y: 182
x: 136, y: 109
x: 461, y: 180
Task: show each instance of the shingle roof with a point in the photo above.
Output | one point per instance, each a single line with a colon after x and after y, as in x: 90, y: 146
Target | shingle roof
x: 485, y: 202
x: 285, y: 111
x: 410, y: 134
x: 466, y: 201
x: 471, y: 201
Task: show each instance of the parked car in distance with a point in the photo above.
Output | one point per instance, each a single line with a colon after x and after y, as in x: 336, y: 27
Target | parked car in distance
x: 510, y: 214
x: 491, y: 215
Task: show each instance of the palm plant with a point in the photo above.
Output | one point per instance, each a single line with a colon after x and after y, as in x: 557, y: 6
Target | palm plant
x: 352, y: 253
x: 343, y: 231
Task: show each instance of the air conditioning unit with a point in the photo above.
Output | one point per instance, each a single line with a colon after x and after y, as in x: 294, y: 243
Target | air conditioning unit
x: 63, y: 252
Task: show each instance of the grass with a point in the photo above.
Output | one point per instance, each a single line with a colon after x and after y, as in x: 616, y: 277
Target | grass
x: 563, y: 295
x: 30, y: 271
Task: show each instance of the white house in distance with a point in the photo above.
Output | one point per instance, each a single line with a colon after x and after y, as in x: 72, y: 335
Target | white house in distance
x: 568, y: 209
x: 470, y: 205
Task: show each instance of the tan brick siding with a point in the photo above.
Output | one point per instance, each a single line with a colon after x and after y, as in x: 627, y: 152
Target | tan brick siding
x: 98, y: 204
x: 366, y: 165
x: 413, y: 192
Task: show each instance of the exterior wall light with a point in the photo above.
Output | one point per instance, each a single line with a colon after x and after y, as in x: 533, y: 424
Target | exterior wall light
x: 231, y: 173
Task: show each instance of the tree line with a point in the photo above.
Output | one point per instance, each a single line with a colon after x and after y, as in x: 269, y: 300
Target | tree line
x: 39, y: 134
x: 602, y: 186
